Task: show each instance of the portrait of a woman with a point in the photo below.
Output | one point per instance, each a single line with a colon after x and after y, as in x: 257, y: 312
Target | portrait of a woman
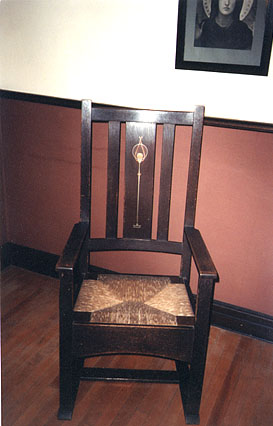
x: 224, y: 29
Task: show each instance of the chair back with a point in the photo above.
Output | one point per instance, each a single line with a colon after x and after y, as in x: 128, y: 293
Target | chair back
x: 138, y: 149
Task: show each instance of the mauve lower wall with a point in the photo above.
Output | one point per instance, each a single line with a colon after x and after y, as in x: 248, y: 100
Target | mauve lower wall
x: 41, y: 160
x: 41, y: 153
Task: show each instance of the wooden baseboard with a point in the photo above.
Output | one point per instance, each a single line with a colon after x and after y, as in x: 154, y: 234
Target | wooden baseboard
x: 28, y: 258
x: 224, y: 315
x: 242, y: 320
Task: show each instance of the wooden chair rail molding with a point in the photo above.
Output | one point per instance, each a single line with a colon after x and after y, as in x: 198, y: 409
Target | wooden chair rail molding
x: 70, y: 103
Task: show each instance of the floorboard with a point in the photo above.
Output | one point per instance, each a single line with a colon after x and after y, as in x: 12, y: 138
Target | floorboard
x: 238, y: 386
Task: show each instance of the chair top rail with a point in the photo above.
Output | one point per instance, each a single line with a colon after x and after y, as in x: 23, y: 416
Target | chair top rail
x: 120, y: 244
x: 105, y: 114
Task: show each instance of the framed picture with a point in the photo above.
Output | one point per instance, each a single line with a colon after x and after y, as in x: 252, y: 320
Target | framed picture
x: 233, y: 36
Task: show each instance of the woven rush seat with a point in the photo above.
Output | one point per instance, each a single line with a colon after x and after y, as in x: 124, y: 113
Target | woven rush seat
x: 141, y: 300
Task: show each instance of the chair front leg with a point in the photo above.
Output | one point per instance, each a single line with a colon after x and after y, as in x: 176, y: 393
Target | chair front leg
x: 196, y: 371
x: 66, y: 367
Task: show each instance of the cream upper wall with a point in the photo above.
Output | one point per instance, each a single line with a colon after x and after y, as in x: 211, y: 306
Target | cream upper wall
x: 119, y: 52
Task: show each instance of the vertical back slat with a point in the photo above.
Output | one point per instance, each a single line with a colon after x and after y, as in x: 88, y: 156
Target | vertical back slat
x: 113, y: 178
x: 165, y: 181
x: 194, y: 165
x: 143, y: 228
x: 86, y: 160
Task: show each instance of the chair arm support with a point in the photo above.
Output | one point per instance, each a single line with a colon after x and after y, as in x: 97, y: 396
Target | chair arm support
x: 73, y: 247
x: 200, y: 253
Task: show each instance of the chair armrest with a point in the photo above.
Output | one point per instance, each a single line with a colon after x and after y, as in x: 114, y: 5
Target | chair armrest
x: 200, y: 253
x: 73, y: 247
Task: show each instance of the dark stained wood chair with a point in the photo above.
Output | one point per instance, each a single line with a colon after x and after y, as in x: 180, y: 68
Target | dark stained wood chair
x: 103, y: 312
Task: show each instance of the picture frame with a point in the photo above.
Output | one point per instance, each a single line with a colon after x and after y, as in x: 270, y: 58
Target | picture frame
x: 204, y: 45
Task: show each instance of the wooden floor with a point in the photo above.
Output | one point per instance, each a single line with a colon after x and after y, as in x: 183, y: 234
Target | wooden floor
x: 238, y: 388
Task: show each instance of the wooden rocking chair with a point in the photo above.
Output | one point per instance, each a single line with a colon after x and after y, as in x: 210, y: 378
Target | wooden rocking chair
x: 103, y: 312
